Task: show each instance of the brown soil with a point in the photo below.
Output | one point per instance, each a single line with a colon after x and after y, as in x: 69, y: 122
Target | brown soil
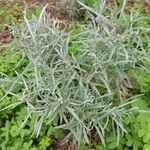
x: 68, y: 143
x: 5, y: 36
x: 147, y: 7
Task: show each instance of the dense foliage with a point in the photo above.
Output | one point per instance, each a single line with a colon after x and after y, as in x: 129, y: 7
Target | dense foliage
x: 81, y: 81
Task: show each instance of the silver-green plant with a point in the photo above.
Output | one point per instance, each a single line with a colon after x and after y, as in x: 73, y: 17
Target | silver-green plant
x: 71, y: 6
x: 80, y: 92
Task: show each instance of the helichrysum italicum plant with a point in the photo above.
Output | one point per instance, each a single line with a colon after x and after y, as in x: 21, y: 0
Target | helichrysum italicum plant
x: 83, y: 91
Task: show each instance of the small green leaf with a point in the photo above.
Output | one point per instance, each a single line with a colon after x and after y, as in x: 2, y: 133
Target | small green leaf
x: 141, y: 132
x: 112, y: 145
x: 146, y: 147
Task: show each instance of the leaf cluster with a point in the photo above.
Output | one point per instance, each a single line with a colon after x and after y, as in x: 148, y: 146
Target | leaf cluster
x: 14, y: 138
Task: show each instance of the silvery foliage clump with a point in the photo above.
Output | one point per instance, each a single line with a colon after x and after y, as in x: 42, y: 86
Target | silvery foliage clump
x: 82, y: 92
x: 72, y: 7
